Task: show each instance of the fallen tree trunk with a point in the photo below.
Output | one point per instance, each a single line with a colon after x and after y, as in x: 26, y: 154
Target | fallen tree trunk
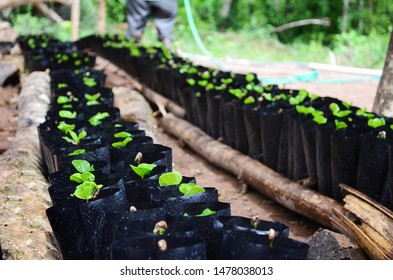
x: 163, y: 103
x: 290, y: 194
x: 25, y: 232
x: 14, y: 3
x: 372, y: 225
x: 48, y: 12
x: 311, y: 21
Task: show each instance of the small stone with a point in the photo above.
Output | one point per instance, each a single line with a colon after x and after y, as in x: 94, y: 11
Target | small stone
x: 330, y: 245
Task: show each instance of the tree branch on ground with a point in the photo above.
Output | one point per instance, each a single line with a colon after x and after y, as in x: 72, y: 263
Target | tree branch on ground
x: 314, y: 21
x: 14, y: 3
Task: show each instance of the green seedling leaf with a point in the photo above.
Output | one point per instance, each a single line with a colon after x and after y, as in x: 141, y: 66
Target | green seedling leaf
x: 118, y: 125
x: 190, y: 189
x: 86, y: 190
x: 237, y: 92
x: 250, y: 77
x: 67, y: 114
x: 92, y: 97
x: 92, y: 103
x: 191, y: 82
x: 122, y: 134
x: 281, y: 96
x: 249, y: 100
x: 82, y: 166
x: 83, y: 177
x: 226, y: 81
x: 376, y: 122
x: 346, y: 104
x: 77, y: 152
x: 67, y: 106
x: 206, y: 212
x: 301, y: 109
x: 340, y: 124
x: 294, y: 101
x: 334, y: 108
x: 65, y: 127
x: 202, y: 83
x: 63, y: 99
x: 319, y: 119
x: 258, y: 89
x: 342, y: 114
x: 268, y: 96
x: 122, y: 143
x: 89, y: 82
x: 313, y: 96
x: 363, y: 112
x: 97, y: 118
x: 170, y: 179
x: 143, y: 169
x: 205, y: 75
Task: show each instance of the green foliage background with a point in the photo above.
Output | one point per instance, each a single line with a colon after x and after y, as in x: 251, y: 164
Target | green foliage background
x: 369, y: 25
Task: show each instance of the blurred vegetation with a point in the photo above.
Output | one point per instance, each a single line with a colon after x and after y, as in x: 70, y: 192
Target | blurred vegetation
x: 358, y: 34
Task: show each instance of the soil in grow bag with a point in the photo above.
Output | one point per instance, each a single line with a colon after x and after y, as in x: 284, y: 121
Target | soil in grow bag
x: 101, y: 168
x: 248, y: 245
x: 171, y: 196
x: 260, y: 226
x: 299, y: 160
x: 241, y: 140
x: 271, y: 131
x: 64, y: 157
x: 148, y: 190
x: 93, y: 213
x: 344, y: 145
x: 323, y: 158
x: 373, y: 165
x: 213, y: 113
x: 389, y: 185
x: 157, y: 148
x: 156, y: 158
x: 152, y: 248
x: 67, y: 227
x: 131, y: 228
x: 192, y: 213
x: 199, y: 107
x: 308, y: 133
x: 253, y: 131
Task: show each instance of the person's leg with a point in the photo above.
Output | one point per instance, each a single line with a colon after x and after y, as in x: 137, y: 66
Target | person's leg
x: 164, y: 13
x: 137, y: 14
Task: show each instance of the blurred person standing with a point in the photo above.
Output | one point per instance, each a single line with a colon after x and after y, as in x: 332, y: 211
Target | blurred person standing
x: 163, y: 13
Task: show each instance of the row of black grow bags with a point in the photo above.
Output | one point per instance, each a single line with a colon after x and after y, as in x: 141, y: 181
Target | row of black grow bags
x: 268, y: 123
x: 120, y: 210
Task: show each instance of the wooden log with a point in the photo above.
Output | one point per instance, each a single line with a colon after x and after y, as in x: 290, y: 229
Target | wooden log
x: 163, y: 102
x: 24, y: 228
x: 311, y: 21
x: 385, y: 245
x: 75, y: 19
x: 365, y: 212
x: 356, y: 234
x: 15, y: 3
x: 348, y: 190
x: 290, y: 194
x: 101, y: 22
x: 48, y: 12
